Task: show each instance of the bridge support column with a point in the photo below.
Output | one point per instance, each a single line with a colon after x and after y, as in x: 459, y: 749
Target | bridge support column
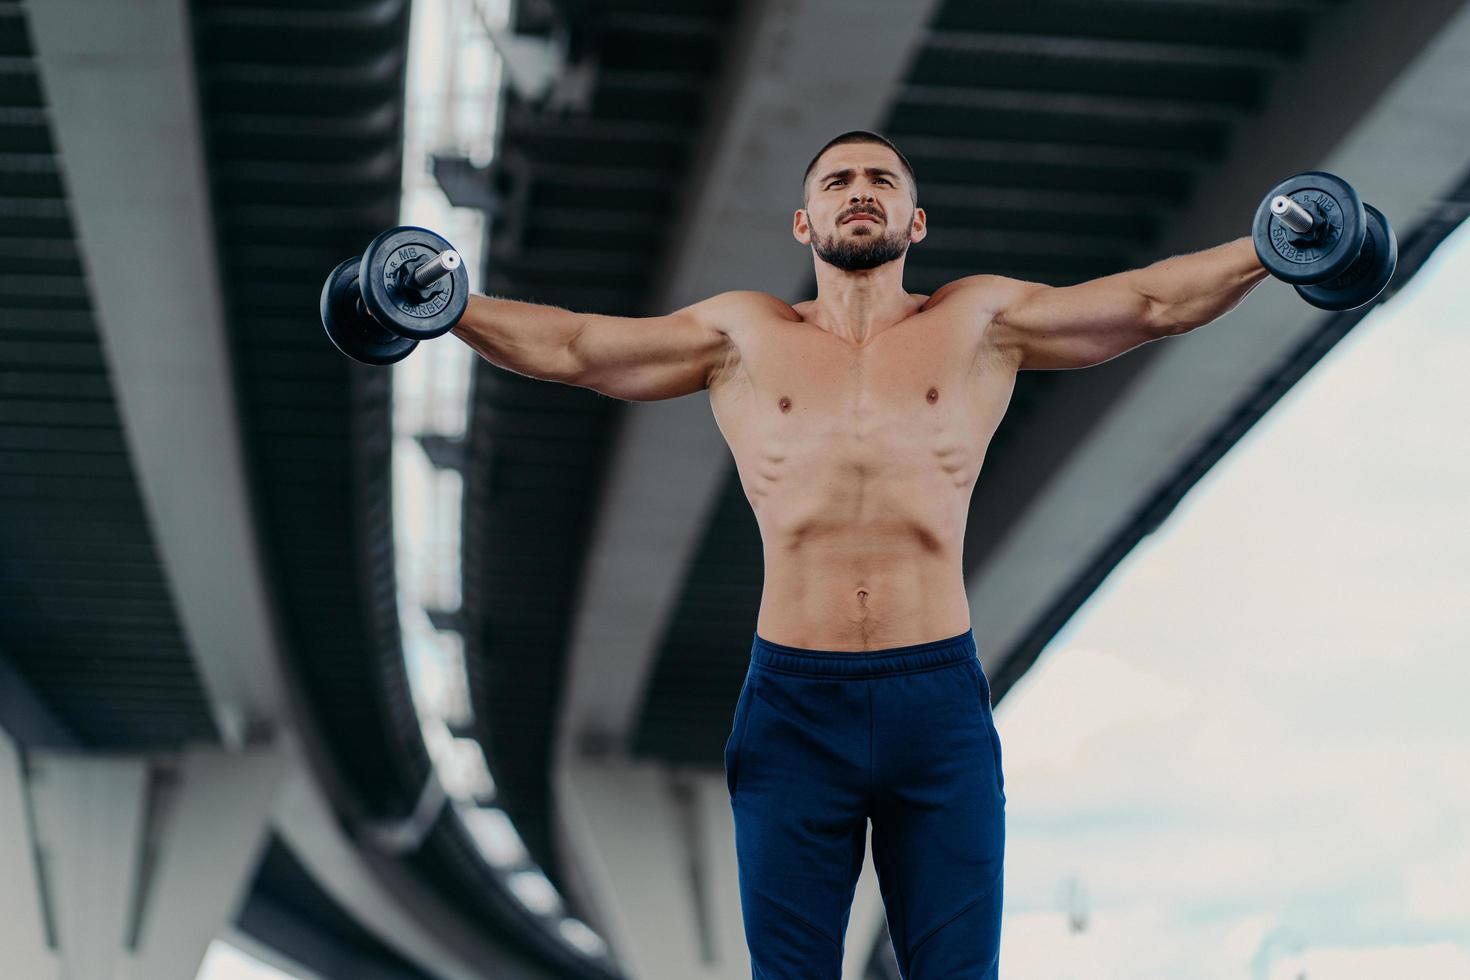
x: 126, y: 867
x: 660, y: 870
x: 24, y: 932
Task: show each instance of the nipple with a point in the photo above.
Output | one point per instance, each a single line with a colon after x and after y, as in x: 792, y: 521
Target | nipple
x: 933, y: 395
x: 785, y: 404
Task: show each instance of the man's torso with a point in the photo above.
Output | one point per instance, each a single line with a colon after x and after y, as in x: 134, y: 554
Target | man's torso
x: 859, y: 461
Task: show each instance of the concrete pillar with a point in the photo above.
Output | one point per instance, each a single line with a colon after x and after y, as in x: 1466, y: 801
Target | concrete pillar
x: 23, y: 930
x: 218, y: 831
x: 89, y: 823
x: 142, y: 859
x: 627, y: 823
x: 659, y: 867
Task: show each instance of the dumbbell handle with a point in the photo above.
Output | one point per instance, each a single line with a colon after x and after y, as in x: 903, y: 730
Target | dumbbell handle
x: 436, y: 268
x: 1292, y: 214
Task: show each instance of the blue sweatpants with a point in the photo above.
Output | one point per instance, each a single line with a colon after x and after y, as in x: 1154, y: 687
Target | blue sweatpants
x: 823, y: 742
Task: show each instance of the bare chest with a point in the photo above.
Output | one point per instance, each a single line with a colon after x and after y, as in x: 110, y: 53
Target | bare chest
x: 795, y: 378
x: 812, y: 414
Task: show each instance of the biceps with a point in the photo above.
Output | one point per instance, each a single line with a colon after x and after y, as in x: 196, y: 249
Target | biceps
x: 1061, y: 327
x: 645, y: 358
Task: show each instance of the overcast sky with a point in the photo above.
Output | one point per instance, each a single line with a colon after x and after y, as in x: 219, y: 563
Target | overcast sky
x: 1251, y: 747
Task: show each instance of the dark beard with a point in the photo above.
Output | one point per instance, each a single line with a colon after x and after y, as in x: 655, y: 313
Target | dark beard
x: 857, y: 254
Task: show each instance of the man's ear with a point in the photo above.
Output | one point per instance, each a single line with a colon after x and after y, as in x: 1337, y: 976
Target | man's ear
x: 801, y: 226
x: 920, y: 227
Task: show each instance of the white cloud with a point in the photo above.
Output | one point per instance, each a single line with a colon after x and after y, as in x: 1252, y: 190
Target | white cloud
x: 1434, y: 961
x: 1140, y: 942
x: 1097, y: 694
x: 1438, y: 890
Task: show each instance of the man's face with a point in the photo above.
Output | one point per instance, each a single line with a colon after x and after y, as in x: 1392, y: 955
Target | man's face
x: 859, y: 213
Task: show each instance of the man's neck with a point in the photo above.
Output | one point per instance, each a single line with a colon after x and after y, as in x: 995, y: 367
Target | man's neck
x: 857, y: 306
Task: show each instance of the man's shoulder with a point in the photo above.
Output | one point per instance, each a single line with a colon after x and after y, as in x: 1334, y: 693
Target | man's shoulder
x: 740, y: 307
x: 983, y: 294
x: 976, y: 304
x: 754, y: 301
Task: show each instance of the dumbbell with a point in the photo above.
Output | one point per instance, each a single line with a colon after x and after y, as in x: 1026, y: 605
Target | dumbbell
x: 409, y: 285
x: 1313, y: 231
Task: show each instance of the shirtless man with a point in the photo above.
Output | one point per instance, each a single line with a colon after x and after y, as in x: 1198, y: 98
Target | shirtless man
x: 858, y: 422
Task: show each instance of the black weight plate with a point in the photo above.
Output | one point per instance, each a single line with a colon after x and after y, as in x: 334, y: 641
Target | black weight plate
x: 390, y: 256
x: 1365, y: 278
x: 349, y: 327
x: 1292, y: 259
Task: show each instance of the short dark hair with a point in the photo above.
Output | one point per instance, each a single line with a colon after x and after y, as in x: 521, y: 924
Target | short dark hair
x: 863, y: 136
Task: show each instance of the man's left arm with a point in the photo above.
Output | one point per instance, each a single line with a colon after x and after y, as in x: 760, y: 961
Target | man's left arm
x: 1059, y: 327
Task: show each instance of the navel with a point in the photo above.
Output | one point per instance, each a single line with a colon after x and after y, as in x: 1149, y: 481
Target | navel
x: 785, y: 404
x: 933, y: 395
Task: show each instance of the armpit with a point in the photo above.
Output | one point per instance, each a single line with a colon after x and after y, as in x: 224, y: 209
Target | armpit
x: 728, y: 364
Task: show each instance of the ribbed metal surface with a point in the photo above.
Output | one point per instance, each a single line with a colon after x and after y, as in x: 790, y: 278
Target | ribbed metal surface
x: 85, y: 612
x: 597, y: 221
x: 534, y: 466
x: 302, y: 105
x: 601, y: 183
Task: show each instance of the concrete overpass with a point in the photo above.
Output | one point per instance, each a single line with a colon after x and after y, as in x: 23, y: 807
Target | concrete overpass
x: 207, y: 727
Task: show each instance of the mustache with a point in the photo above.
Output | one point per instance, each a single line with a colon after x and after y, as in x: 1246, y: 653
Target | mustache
x: 869, y: 211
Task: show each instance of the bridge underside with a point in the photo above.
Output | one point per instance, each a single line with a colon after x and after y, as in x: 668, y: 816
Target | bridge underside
x: 196, y: 554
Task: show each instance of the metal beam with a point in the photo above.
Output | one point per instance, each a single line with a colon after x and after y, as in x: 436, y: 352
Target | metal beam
x: 983, y: 43
x: 1161, y: 110
x: 1184, y: 159
x: 121, y: 84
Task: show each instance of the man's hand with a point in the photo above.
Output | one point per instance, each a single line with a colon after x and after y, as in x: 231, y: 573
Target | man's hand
x: 1045, y: 327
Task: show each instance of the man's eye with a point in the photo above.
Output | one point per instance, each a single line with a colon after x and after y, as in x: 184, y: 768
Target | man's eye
x: 882, y: 179
x: 835, y: 183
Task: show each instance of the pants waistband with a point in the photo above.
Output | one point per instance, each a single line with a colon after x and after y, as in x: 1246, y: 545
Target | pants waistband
x: 863, y: 663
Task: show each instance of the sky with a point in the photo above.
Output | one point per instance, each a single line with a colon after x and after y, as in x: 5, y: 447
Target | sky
x: 1248, y: 754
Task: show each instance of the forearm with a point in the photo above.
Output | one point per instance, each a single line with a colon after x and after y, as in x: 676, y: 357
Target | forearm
x: 1194, y: 289
x: 527, y: 338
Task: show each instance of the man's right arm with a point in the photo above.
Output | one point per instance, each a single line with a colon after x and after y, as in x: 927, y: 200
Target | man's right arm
x: 632, y: 358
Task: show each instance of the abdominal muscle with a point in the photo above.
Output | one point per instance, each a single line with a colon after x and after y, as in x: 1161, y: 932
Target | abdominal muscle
x: 845, y: 596
x: 862, y: 576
